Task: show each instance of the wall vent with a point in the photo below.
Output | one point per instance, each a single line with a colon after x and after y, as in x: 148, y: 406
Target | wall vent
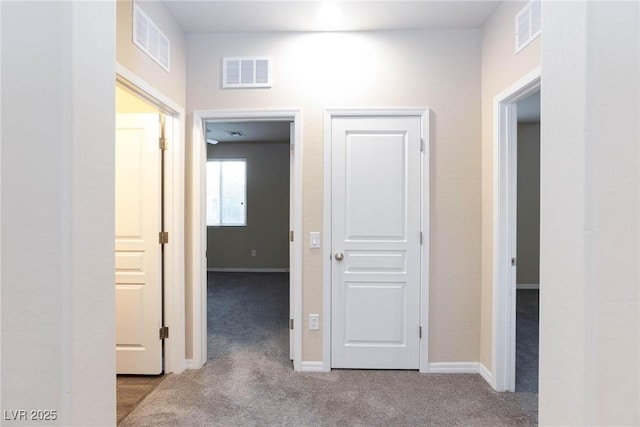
x: 528, y: 24
x: 246, y: 72
x: 148, y: 37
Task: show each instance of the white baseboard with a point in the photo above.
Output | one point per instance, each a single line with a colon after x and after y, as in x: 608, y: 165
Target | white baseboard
x: 486, y: 374
x: 249, y: 270
x: 528, y: 286
x: 188, y: 363
x: 454, y: 368
x: 307, y: 366
x: 461, y: 368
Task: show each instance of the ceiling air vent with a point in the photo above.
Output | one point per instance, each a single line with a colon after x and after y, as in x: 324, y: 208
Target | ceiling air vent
x: 528, y: 24
x: 246, y: 72
x: 148, y: 37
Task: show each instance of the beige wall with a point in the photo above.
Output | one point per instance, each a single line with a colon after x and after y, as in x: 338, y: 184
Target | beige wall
x: 528, y: 217
x: 129, y: 103
x: 501, y: 67
x: 171, y: 84
x: 438, y: 69
x: 267, y: 229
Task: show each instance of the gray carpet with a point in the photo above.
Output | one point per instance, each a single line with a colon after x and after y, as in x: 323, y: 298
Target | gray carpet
x: 249, y: 380
x: 527, y: 333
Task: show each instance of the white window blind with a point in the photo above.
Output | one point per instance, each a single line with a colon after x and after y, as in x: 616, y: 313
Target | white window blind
x: 227, y: 192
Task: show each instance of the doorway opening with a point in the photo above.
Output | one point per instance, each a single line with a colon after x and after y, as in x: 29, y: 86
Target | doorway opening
x: 248, y: 205
x: 206, y: 124
x: 147, y: 292
x: 528, y: 244
x: 506, y: 232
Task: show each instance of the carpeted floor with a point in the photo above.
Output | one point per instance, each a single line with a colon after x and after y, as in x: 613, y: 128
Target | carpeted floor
x: 249, y: 380
x: 527, y: 338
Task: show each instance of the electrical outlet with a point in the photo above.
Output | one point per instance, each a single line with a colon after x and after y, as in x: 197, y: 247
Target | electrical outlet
x: 314, y: 322
x: 253, y: 252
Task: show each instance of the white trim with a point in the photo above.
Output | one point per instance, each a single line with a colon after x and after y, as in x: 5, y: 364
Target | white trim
x: 426, y: 238
x: 454, y: 368
x: 461, y: 368
x: 247, y: 270
x: 188, y: 364
x: 152, y: 94
x: 313, y: 367
x: 504, y: 228
x: 174, y: 312
x: 198, y: 228
x: 424, y: 114
x: 484, y: 373
x: 527, y: 286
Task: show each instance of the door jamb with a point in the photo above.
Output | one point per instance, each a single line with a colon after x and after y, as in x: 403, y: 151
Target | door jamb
x: 197, y: 234
x: 424, y: 115
x: 504, y: 227
x: 174, y: 312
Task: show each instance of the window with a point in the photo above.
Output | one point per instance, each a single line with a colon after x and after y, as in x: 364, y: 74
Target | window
x: 227, y: 192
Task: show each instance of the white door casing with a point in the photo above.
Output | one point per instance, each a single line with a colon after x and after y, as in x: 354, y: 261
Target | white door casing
x: 197, y: 234
x: 137, y: 249
x: 292, y: 248
x: 375, y: 242
x: 503, y: 365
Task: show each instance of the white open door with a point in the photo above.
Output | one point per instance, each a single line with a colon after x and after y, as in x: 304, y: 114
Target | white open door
x: 137, y: 248
x: 375, y: 222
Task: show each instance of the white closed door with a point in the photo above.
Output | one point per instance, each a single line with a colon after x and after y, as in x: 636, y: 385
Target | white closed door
x: 137, y: 248
x: 375, y: 223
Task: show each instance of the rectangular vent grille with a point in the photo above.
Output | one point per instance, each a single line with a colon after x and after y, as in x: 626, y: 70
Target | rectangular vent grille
x: 528, y: 24
x: 244, y: 72
x: 148, y: 37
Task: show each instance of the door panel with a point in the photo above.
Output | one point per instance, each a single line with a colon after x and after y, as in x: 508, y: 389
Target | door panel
x: 376, y: 231
x: 138, y: 253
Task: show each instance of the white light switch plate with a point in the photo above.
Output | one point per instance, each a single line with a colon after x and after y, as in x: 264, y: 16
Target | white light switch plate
x: 314, y: 322
x: 314, y: 240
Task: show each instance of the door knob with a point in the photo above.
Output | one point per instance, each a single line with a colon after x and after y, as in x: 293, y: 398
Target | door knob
x: 339, y: 256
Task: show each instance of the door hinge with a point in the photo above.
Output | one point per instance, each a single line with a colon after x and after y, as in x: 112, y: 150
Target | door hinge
x: 163, y: 237
x: 421, y: 144
x: 420, y: 331
x: 164, y: 145
x: 291, y: 324
x: 164, y: 332
x: 513, y: 261
x: 291, y: 235
x: 421, y: 237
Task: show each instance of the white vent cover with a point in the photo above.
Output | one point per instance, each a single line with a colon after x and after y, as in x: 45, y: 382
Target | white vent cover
x: 528, y: 24
x: 243, y: 72
x: 148, y: 37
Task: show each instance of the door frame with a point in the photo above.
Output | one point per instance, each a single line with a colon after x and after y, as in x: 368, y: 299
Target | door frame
x: 174, y: 255
x: 424, y: 115
x: 505, y: 145
x: 198, y: 240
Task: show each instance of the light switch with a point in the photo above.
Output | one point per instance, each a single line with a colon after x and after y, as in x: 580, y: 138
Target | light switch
x: 314, y: 240
x: 314, y: 322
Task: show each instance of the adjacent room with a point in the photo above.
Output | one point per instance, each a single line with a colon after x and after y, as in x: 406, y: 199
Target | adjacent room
x: 528, y: 244
x: 247, y: 219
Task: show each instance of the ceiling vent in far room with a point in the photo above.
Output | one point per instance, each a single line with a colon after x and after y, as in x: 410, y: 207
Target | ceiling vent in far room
x: 246, y: 72
x: 528, y: 24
